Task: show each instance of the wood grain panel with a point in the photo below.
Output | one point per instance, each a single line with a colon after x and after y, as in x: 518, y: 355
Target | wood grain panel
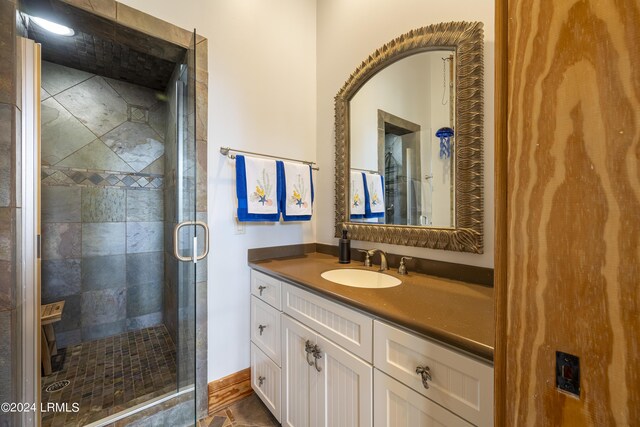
x: 573, y: 210
x: 500, y: 211
x: 229, y: 389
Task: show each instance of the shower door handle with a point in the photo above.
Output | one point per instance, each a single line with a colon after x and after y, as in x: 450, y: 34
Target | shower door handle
x: 176, y: 239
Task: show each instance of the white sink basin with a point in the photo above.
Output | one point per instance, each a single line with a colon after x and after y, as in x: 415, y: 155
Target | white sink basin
x: 360, y: 278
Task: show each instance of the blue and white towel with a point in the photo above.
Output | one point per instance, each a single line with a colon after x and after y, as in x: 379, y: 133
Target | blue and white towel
x: 296, y: 191
x: 357, y: 199
x: 374, y: 196
x: 257, y: 189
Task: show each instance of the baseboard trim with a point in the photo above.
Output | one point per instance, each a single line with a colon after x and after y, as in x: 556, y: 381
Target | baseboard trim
x: 229, y: 389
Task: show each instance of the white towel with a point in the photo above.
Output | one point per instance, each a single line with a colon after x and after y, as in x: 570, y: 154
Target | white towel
x: 298, y: 189
x: 357, y: 193
x: 376, y: 192
x: 262, y: 188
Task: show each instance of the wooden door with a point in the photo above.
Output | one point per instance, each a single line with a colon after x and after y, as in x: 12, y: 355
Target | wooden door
x: 572, y: 232
x: 343, y: 391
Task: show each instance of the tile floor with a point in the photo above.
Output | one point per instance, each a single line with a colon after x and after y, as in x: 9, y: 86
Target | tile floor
x: 111, y: 374
x: 249, y: 411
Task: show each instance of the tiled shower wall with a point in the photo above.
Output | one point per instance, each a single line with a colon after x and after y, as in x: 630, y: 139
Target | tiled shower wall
x: 102, y: 203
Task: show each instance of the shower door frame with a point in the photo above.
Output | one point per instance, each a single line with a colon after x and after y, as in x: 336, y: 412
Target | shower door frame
x: 28, y: 271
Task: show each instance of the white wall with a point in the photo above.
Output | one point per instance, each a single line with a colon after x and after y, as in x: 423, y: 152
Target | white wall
x: 262, y: 97
x: 440, y: 168
x: 348, y: 32
x: 402, y: 89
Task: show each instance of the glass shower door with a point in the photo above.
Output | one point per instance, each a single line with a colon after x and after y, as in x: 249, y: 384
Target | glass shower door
x: 189, y: 243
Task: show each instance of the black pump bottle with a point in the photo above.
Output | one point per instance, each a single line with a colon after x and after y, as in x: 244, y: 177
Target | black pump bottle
x: 345, y: 249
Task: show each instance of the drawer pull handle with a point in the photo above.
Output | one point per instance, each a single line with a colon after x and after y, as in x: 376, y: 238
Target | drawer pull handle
x: 261, y: 327
x: 261, y: 381
x: 316, y: 356
x: 425, y: 375
x: 308, y: 348
x: 261, y: 288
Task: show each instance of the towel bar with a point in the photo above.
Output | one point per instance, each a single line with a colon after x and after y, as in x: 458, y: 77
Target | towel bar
x: 226, y: 151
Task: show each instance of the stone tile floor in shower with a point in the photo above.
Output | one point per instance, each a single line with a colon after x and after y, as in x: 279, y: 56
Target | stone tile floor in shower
x: 249, y: 411
x: 112, y: 374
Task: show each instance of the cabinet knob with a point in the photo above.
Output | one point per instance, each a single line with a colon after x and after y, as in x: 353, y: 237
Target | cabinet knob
x: 308, y: 348
x: 261, y: 288
x: 261, y: 327
x: 261, y: 381
x: 425, y: 375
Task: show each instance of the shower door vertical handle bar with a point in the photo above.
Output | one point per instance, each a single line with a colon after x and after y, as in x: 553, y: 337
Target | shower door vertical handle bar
x: 176, y: 240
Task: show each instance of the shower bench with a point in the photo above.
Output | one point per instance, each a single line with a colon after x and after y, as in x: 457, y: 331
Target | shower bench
x: 49, y: 314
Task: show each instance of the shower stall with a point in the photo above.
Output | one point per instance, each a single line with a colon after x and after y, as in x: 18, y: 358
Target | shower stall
x: 119, y: 238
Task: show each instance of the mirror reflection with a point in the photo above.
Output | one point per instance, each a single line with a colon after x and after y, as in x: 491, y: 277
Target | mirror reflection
x: 402, y: 143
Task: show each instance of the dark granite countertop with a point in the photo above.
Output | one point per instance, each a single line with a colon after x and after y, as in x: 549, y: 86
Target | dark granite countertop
x: 457, y: 313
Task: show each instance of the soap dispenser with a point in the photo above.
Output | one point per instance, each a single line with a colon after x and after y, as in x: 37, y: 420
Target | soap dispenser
x: 345, y: 249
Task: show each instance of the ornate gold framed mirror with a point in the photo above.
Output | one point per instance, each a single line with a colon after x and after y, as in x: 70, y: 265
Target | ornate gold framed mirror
x: 409, y: 129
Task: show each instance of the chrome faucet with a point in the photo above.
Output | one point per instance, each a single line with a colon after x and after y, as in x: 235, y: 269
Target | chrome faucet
x: 383, y: 259
x: 367, y: 258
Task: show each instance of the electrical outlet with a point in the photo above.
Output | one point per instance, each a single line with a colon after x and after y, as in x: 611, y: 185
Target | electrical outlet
x: 568, y: 373
x: 240, y: 227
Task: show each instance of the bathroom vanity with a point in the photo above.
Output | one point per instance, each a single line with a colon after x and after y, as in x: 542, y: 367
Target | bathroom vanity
x: 332, y: 355
x: 418, y: 353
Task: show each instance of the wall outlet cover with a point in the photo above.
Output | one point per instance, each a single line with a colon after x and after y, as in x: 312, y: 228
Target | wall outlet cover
x: 240, y: 227
x: 568, y: 373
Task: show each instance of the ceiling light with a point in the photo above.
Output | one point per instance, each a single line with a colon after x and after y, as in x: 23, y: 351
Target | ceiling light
x: 52, y: 27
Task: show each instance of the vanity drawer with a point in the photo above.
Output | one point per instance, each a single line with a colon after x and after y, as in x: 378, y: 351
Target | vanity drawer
x: 266, y: 288
x: 459, y: 383
x: 346, y: 327
x: 397, y: 405
x: 265, y: 380
x: 265, y: 328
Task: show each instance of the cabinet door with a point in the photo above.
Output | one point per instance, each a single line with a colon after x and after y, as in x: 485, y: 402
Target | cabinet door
x: 295, y: 373
x: 398, y: 406
x: 342, y: 390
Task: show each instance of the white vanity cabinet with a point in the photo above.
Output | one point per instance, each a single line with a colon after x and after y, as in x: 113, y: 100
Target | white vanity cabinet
x: 266, y: 340
x: 323, y: 384
x: 339, y: 367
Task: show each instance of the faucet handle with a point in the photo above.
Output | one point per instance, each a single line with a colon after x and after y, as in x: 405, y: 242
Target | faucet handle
x: 367, y: 257
x: 402, y: 268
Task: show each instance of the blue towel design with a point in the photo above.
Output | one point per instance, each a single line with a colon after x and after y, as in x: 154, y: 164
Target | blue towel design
x: 373, y: 199
x: 298, y: 197
x: 358, y: 195
x: 263, y: 195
